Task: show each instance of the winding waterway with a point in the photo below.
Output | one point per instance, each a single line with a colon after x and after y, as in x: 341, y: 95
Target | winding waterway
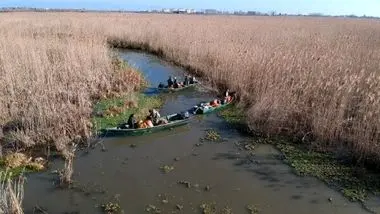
x: 218, y: 172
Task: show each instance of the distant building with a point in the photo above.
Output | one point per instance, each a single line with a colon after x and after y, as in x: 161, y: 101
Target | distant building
x: 167, y: 10
x: 190, y: 11
x: 211, y: 11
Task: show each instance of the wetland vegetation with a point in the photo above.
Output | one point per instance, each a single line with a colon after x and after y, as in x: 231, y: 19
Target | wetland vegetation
x: 310, y: 86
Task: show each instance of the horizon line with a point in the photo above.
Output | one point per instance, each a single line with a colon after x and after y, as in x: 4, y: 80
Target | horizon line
x: 176, y: 9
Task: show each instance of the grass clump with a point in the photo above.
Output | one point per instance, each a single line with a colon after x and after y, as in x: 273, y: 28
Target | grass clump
x: 356, y: 183
x: 111, y: 112
x: 17, y: 164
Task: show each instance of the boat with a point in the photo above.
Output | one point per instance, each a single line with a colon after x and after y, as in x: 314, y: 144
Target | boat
x: 166, y: 89
x: 172, y: 119
x: 203, y: 108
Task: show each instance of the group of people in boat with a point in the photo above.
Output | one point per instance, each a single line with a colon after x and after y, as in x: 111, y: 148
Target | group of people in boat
x: 227, y: 98
x: 174, y: 83
x: 153, y: 119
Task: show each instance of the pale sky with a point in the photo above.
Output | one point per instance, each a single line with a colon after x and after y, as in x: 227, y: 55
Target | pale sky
x: 330, y: 7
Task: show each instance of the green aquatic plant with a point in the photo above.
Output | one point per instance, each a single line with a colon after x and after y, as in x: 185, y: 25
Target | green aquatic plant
x: 111, y: 208
x: 208, y: 208
x: 354, y: 185
x: 167, y: 169
x: 212, y: 135
x: 252, y: 209
x: 186, y: 183
x: 152, y: 209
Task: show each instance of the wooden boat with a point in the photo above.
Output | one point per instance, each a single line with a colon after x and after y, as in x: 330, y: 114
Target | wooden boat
x: 166, y: 89
x: 172, y: 119
x: 201, y: 109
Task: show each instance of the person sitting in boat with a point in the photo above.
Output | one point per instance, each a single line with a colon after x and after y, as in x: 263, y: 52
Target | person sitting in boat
x: 227, y: 93
x: 132, y: 121
x: 148, y: 122
x: 155, y: 115
x: 215, y: 103
x: 141, y: 124
x: 161, y: 85
x: 192, y: 80
x: 227, y: 96
x: 186, y: 81
x: 170, y: 82
x: 176, y: 83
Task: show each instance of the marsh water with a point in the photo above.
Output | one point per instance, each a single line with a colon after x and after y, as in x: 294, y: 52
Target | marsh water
x: 217, y: 172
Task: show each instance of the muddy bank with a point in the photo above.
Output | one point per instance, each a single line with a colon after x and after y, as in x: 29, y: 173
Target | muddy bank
x: 131, y: 171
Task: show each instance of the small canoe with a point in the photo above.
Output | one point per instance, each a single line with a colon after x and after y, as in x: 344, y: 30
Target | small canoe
x: 205, y: 110
x: 166, y: 89
x: 173, y: 122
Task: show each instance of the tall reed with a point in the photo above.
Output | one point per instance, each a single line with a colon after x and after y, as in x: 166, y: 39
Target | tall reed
x: 51, y: 71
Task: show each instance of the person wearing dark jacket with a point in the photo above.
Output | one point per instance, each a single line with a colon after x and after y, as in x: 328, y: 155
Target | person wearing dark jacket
x: 132, y: 121
x: 186, y: 81
x: 170, y: 82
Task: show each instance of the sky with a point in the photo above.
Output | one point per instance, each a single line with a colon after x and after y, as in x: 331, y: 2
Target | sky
x: 329, y: 7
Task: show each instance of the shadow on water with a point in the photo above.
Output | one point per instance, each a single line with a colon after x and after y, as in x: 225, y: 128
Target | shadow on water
x: 132, y: 175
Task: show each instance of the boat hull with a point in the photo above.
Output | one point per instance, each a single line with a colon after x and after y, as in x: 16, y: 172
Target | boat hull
x: 114, y: 131
x: 211, y: 109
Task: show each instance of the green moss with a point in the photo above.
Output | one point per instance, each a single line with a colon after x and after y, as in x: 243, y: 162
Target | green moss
x: 144, y: 104
x: 355, y: 183
x: 232, y: 114
x: 236, y: 118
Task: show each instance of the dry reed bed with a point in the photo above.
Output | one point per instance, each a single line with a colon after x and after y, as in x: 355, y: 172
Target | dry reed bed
x: 51, y: 69
x: 297, y: 76
x: 314, y: 77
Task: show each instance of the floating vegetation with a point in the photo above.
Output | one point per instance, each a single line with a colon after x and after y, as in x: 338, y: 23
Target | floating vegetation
x: 179, y: 207
x: 112, y: 208
x: 252, y: 209
x: 355, y: 183
x: 208, y: 208
x: 163, y: 198
x: 248, y: 146
x: 211, y: 208
x: 186, y: 183
x: 167, y: 168
x: 152, y: 209
x: 212, y: 135
x: 226, y: 210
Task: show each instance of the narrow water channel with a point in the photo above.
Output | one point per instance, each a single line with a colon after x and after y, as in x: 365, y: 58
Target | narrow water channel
x: 233, y: 178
